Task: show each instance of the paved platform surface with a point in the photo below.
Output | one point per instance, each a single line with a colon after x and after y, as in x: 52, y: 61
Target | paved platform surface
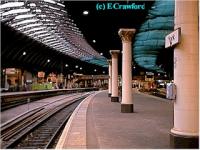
x: 106, y: 127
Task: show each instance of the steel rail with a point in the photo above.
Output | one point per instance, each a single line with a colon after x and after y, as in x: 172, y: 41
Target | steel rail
x: 13, y: 136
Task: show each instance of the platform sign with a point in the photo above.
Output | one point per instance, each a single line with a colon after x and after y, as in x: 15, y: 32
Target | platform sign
x: 171, y: 91
x: 150, y: 73
x: 10, y: 71
x: 173, y: 38
x: 41, y: 74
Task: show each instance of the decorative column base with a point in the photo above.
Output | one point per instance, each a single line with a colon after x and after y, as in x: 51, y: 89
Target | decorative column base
x: 114, y: 99
x: 127, y: 108
x: 109, y: 94
x: 180, y: 141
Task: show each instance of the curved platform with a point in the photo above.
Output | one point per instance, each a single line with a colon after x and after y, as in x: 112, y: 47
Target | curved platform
x: 98, y: 123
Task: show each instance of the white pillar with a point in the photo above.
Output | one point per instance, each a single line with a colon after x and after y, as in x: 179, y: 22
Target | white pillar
x: 110, y: 77
x: 6, y: 82
x: 114, y: 93
x: 68, y: 81
x: 65, y: 82
x: 86, y: 84
x: 186, y: 77
x: 22, y: 80
x: 127, y: 99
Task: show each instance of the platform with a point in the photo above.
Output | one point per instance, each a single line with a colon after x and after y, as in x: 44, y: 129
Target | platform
x: 98, y: 123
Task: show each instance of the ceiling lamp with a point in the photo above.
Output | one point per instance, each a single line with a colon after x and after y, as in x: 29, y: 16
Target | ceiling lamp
x: 85, y: 12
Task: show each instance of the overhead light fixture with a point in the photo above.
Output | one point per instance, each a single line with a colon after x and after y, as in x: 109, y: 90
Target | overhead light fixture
x: 66, y: 65
x: 76, y: 66
x: 81, y: 68
x: 101, y: 54
x: 30, y: 26
x: 50, y: 1
x: 60, y: 4
x: 34, y: 29
x: 94, y: 41
x: 24, y: 22
x: 15, y: 11
x: 11, y: 4
x: 48, y: 60
x: 54, y: 8
x: 85, y: 12
x: 25, y: 16
x: 24, y: 53
x: 95, y: 70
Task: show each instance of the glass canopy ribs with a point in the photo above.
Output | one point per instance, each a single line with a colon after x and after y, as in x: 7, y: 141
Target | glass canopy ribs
x: 48, y: 22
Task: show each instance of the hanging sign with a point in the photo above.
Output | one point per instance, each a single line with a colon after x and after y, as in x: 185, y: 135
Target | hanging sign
x: 11, y: 71
x: 41, y: 74
x: 173, y: 38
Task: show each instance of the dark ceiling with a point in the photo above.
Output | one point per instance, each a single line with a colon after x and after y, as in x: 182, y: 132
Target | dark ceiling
x: 101, y: 26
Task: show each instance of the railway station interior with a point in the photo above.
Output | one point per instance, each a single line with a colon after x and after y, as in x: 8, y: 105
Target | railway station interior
x: 99, y: 74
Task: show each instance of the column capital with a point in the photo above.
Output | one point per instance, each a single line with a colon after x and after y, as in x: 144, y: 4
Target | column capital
x: 114, y: 52
x: 126, y: 34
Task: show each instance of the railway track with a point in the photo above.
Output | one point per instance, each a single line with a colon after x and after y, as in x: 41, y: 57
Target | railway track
x: 10, y: 100
x: 41, y: 127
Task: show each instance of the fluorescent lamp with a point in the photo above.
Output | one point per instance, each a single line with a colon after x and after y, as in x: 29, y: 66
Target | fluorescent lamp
x: 32, y: 4
x: 49, y: 40
x: 60, y: 4
x: 39, y: 32
x: 54, y: 8
x: 29, y: 26
x: 11, y: 4
x: 34, y: 29
x: 24, y: 16
x: 39, y: 36
x: 50, y: 1
x: 15, y: 11
x: 24, y: 22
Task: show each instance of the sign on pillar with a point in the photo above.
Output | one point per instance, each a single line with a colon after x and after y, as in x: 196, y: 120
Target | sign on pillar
x: 110, y: 77
x: 173, y: 38
x: 185, y: 133
x: 114, y: 93
x: 127, y: 99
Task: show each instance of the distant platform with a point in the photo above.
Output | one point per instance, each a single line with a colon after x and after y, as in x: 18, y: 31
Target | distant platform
x: 44, y: 91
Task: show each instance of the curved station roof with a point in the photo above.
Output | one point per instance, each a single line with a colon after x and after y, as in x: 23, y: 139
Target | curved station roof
x: 56, y: 34
x: 49, y: 23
